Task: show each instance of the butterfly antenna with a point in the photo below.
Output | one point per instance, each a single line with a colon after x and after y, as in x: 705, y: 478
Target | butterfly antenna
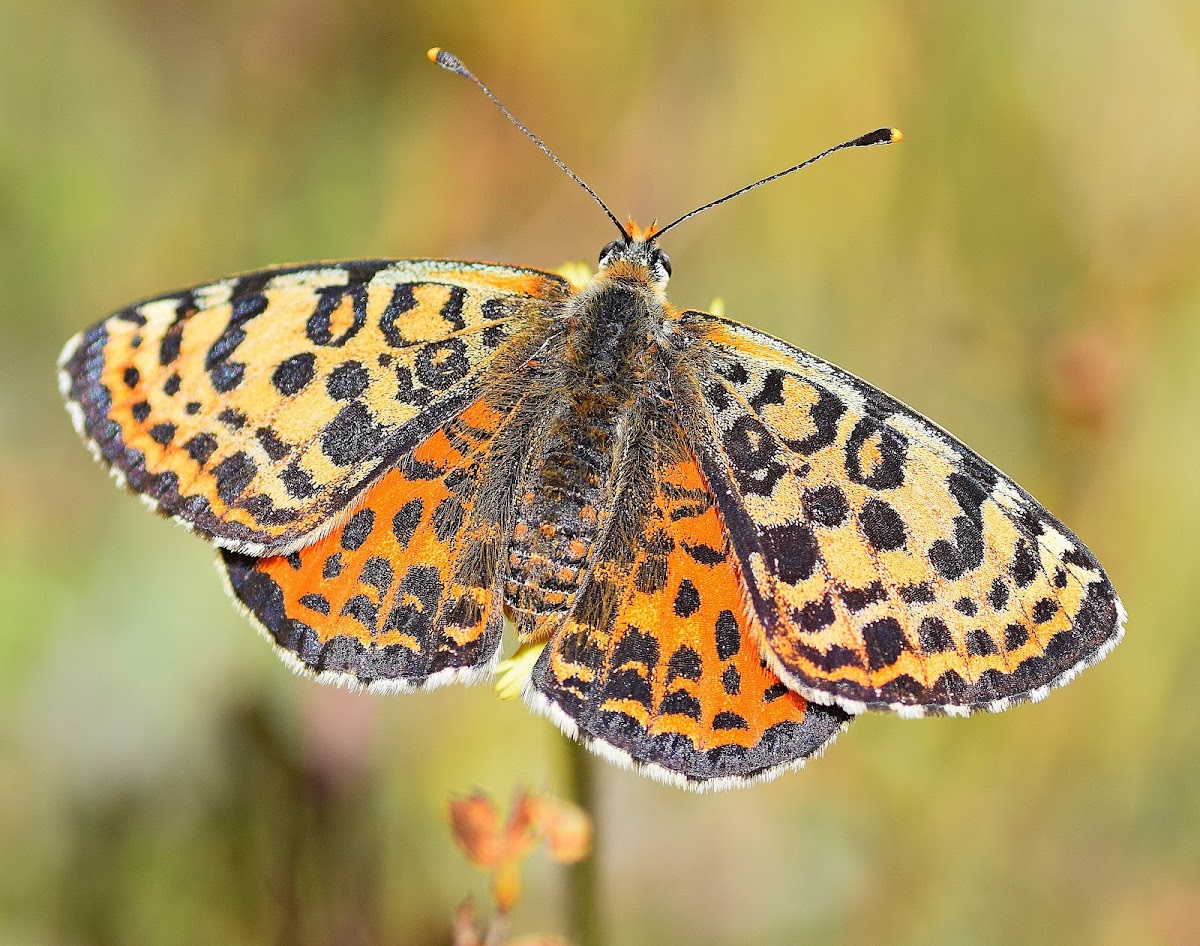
x: 452, y: 63
x: 880, y: 136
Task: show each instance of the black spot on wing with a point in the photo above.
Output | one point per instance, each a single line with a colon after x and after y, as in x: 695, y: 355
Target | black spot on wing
x: 1044, y: 610
x: 729, y: 720
x: 292, y: 375
x: 892, y: 446
x: 816, y: 615
x: 885, y: 642
x: 403, y: 300
x: 357, y: 529
x: 274, y: 448
x: 980, y: 643
x: 954, y: 559
x: 934, y: 636
x: 332, y: 567
x: 201, y: 447
x: 882, y: 526
x: 363, y: 610
x: 793, y: 550
x: 378, y: 572
x: 687, y: 599
x: 315, y: 602
x: 680, y: 703
x: 452, y: 308
x: 832, y: 659
x: 856, y: 599
x: 826, y: 506
x: 685, y: 663
x: 233, y: 419
x: 416, y: 602
x: 825, y: 414
x: 998, y: 594
x: 917, y: 594
x: 233, y: 475
x: 163, y: 433
x: 170, y: 344
x: 1024, y: 565
x: 636, y: 647
x: 320, y: 328
x: 347, y: 381
x: 405, y: 522
x: 352, y: 436
x: 297, y: 481
x: 439, y: 365
x: 728, y: 635
x: 752, y: 453
x: 1015, y: 635
x: 704, y: 554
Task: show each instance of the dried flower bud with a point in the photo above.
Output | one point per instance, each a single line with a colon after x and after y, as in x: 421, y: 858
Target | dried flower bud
x: 475, y: 825
x: 565, y: 827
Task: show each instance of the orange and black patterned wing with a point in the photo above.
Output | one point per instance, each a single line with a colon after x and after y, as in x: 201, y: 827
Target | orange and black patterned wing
x: 890, y: 566
x: 256, y: 409
x: 658, y: 666
x: 402, y: 594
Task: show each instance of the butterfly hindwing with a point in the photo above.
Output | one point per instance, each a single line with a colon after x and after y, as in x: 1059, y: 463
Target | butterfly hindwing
x: 396, y: 597
x: 255, y: 409
x: 890, y: 566
x: 657, y: 663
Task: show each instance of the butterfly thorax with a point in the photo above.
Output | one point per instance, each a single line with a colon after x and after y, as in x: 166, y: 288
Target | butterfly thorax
x: 607, y: 352
x: 610, y: 327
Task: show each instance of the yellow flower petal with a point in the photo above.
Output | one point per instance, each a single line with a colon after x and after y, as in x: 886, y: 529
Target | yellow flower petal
x: 578, y: 273
x: 512, y: 674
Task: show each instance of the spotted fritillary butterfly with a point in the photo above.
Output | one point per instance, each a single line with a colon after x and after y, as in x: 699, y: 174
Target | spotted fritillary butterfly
x: 727, y: 546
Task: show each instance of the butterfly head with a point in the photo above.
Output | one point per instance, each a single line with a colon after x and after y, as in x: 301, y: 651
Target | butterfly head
x: 637, y: 257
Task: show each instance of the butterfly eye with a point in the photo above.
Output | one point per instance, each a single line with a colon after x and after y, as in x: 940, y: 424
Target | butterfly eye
x: 609, y: 249
x: 663, y: 260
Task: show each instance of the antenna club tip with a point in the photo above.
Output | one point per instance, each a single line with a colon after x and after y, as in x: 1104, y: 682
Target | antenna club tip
x: 897, y: 135
x: 446, y: 60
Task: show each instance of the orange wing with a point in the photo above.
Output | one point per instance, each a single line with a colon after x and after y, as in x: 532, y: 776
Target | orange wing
x: 256, y: 409
x: 658, y: 664
x: 396, y: 597
x: 890, y: 566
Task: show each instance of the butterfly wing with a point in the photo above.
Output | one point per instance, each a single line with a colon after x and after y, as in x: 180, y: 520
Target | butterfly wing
x: 657, y: 665
x: 402, y: 594
x: 890, y: 567
x: 256, y: 409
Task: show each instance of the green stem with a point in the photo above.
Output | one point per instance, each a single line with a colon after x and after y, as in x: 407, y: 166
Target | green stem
x: 583, y: 879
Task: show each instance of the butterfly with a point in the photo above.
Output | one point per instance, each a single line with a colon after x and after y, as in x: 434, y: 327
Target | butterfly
x: 725, y: 546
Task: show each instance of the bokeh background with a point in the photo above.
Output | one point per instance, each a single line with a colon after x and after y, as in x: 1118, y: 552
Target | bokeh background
x: 1025, y: 268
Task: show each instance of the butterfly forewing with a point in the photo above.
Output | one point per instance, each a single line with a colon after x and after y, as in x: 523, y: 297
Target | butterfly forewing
x: 889, y: 565
x: 256, y: 409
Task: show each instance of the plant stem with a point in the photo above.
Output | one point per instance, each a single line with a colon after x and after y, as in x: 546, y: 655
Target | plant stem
x: 583, y: 879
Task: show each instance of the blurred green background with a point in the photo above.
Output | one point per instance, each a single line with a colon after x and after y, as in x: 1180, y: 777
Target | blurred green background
x: 1025, y: 269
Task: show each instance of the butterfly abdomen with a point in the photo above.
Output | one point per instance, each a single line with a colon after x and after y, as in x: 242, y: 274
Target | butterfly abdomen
x: 558, y: 514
